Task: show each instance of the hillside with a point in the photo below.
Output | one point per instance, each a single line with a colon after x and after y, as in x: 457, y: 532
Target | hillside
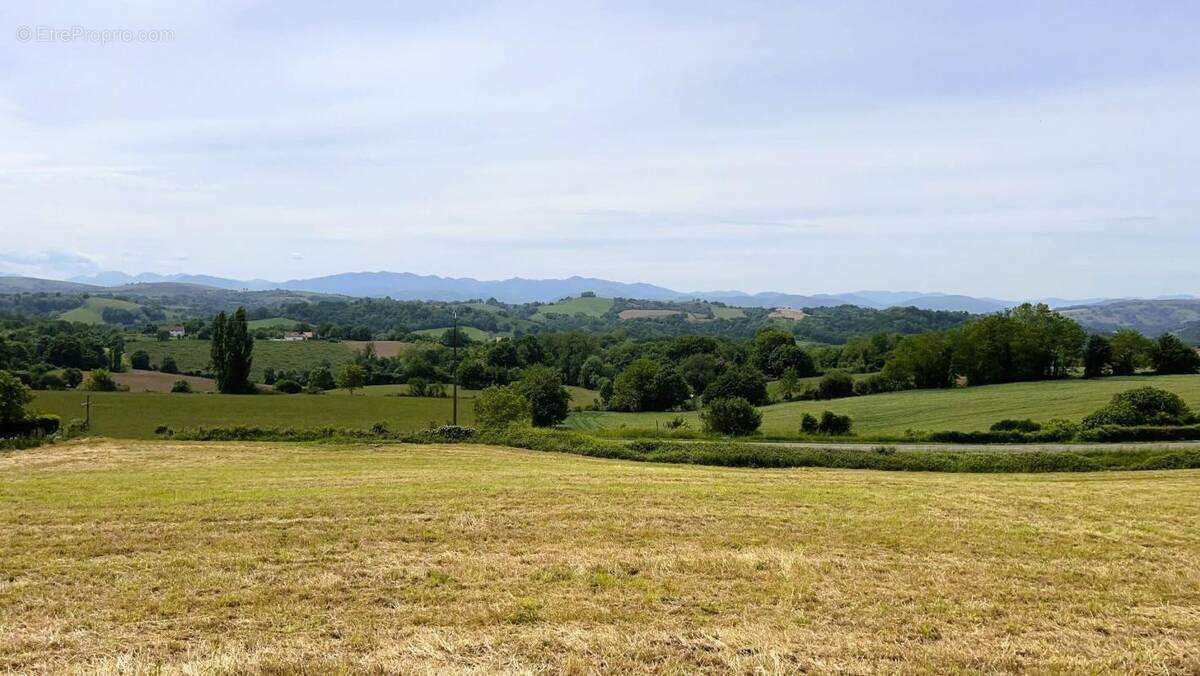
x: 1150, y: 317
x: 962, y: 409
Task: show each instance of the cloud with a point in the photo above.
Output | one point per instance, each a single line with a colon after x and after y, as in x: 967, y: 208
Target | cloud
x: 53, y: 264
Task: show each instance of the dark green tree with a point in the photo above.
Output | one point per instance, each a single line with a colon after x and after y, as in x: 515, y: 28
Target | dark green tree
x: 1172, y: 357
x: 232, y: 352
x: 549, y: 401
x: 1097, y: 356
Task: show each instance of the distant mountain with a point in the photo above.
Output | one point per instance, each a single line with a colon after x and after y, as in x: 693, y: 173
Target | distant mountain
x: 35, y: 285
x: 409, y: 286
x: 120, y: 279
x: 1151, y: 317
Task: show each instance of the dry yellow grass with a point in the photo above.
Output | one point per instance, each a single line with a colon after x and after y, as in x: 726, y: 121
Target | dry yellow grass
x: 138, y: 557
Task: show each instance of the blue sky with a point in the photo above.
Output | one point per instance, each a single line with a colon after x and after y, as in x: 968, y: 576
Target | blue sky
x: 1006, y: 149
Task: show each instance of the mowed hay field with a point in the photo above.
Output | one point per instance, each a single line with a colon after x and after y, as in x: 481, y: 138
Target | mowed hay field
x: 963, y: 409
x: 153, y: 557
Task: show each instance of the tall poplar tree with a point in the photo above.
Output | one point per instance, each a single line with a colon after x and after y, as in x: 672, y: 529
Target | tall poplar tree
x: 232, y: 352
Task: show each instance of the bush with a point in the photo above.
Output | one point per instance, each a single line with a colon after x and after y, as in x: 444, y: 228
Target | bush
x: 809, y: 424
x: 1010, y: 425
x: 418, y: 387
x: 499, y: 406
x: 100, y: 380
x: 168, y: 365
x: 289, y: 387
x: 181, y: 386
x: 834, y: 425
x: 72, y: 377
x: 453, y: 432
x: 734, y: 417
x: 835, y: 385
x: 33, y: 426
x: 1119, y: 433
x: 1141, y: 406
x: 140, y: 360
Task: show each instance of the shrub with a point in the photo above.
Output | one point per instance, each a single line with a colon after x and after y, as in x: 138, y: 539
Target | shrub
x: 1120, y: 433
x: 809, y: 424
x: 734, y: 416
x: 51, y: 381
x: 500, y: 406
x: 835, y: 385
x: 834, y: 425
x: 289, y: 387
x: 1141, y: 406
x: 1010, y: 425
x: 72, y: 377
x: 100, y: 380
x: 33, y: 426
x: 181, y: 386
x: 140, y: 360
x: 168, y: 365
x: 418, y: 387
x: 454, y: 432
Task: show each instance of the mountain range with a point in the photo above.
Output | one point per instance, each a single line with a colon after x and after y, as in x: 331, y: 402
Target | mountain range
x: 409, y: 286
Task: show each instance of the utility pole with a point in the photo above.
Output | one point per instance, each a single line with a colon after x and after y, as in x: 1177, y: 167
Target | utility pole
x: 454, y: 375
x: 87, y: 412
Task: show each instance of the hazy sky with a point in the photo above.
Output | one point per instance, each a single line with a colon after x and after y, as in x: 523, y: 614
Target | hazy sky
x: 1004, y: 148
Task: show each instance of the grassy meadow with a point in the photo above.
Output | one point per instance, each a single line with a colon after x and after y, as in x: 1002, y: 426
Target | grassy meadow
x: 135, y: 414
x: 962, y: 409
x: 154, y: 557
x: 193, y: 354
x: 477, y: 335
x: 92, y: 310
x: 591, y: 307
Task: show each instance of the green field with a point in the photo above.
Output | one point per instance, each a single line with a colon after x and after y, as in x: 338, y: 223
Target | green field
x: 477, y: 335
x: 91, y: 310
x: 961, y: 409
x: 271, y: 322
x: 134, y: 415
x: 592, y: 307
x: 192, y: 354
x: 727, y: 312
x: 215, y: 558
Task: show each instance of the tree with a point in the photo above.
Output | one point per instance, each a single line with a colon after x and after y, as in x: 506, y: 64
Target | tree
x: 1130, y: 352
x: 321, y: 378
x: 500, y: 406
x: 168, y: 365
x: 738, y: 381
x: 549, y: 401
x: 923, y: 361
x: 181, y: 386
x: 14, y: 397
x: 162, y: 335
x: 1097, y: 356
x: 1171, y: 356
x: 473, y: 374
x: 231, y: 351
x: 789, y: 384
x: 633, y: 388
x: 763, y: 346
x: 288, y: 386
x: 791, y: 357
x: 100, y: 380
x: 699, y: 370
x: 734, y: 417
x: 140, y: 360
x: 351, y: 377
x: 116, y: 353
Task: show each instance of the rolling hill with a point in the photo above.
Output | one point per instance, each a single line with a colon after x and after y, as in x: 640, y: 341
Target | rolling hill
x: 1150, y: 317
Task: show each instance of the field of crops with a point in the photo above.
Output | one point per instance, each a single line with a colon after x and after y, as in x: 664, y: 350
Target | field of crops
x: 963, y: 409
x: 155, y: 557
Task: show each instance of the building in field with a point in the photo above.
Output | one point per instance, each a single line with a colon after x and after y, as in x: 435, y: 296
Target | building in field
x: 297, y: 336
x: 175, y: 331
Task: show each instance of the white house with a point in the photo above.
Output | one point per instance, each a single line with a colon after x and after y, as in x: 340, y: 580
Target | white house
x: 175, y: 331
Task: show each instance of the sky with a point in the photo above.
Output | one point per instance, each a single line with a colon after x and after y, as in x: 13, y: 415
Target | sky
x: 1014, y: 149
